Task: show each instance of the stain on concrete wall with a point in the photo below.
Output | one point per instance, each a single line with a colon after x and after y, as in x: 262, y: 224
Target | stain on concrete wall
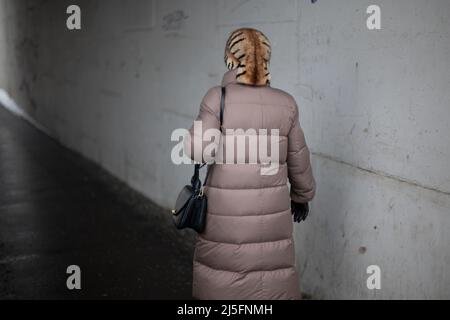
x: 174, y: 20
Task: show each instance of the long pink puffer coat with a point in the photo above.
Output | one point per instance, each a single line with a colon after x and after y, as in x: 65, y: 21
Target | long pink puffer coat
x: 247, y: 249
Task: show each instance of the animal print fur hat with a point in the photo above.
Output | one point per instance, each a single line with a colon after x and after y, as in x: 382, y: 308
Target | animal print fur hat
x: 249, y: 50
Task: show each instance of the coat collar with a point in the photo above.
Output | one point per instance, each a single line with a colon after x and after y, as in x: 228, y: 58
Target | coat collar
x: 230, y: 77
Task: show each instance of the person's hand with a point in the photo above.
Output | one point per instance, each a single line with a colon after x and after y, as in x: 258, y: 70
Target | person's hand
x: 299, y: 211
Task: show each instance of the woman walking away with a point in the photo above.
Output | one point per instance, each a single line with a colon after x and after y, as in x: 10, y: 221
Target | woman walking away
x: 247, y: 248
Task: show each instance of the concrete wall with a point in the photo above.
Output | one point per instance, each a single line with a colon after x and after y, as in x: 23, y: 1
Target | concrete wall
x: 374, y: 105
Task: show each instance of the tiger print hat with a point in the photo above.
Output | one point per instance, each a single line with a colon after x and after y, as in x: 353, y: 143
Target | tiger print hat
x: 249, y: 50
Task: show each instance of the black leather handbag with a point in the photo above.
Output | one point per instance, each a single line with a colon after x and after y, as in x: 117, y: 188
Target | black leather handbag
x: 192, y: 203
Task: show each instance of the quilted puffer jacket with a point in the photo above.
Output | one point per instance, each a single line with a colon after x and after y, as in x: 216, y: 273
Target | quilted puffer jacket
x: 247, y: 248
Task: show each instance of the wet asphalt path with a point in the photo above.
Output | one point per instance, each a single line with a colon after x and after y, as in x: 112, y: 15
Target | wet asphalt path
x: 59, y: 209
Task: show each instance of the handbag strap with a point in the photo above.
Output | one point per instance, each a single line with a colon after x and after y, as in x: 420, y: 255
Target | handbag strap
x: 195, y: 180
x: 222, y: 107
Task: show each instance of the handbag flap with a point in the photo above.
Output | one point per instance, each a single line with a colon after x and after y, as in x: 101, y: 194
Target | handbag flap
x: 183, y: 198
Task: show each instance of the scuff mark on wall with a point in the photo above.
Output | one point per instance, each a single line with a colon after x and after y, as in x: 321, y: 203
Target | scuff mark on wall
x: 174, y: 21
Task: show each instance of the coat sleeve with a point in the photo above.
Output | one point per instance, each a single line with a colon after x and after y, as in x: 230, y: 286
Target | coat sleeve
x: 303, y: 185
x: 195, y: 146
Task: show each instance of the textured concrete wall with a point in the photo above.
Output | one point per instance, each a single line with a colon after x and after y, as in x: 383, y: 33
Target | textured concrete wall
x: 374, y: 105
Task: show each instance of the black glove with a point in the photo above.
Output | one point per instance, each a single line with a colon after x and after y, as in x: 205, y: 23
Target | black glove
x: 299, y: 211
